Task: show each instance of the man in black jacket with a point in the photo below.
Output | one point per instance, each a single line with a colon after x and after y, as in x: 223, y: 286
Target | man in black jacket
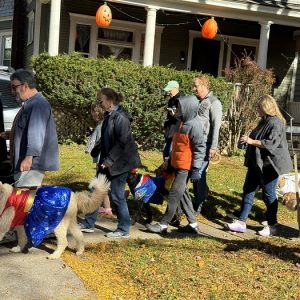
x: 172, y: 88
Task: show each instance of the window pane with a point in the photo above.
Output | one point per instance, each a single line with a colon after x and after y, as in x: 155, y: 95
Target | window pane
x: 82, y: 42
x: 119, y: 52
x: 115, y: 35
x: 7, y: 42
x: 7, y: 54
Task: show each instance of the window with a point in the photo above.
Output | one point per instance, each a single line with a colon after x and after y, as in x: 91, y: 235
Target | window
x: 5, y: 49
x: 82, y: 41
x: 122, y: 39
x: 30, y: 32
x: 117, y: 43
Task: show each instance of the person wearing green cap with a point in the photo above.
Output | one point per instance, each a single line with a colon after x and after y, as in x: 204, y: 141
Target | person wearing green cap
x: 172, y: 88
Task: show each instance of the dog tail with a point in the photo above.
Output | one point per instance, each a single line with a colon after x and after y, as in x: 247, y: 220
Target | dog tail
x: 88, y: 202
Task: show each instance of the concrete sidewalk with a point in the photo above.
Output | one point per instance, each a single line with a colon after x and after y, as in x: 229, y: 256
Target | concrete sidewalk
x: 33, y: 277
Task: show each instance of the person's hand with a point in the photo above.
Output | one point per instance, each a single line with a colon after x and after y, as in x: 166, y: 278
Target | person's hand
x: 212, y: 153
x: 195, y: 175
x: 245, y: 139
x: 103, y: 166
x: 5, y: 135
x: 26, y: 164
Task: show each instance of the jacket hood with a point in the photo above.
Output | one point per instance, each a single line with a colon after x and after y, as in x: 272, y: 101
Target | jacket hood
x: 189, y: 106
x: 125, y: 113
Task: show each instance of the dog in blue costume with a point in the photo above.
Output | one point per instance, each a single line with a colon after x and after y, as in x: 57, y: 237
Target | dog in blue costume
x: 36, y: 213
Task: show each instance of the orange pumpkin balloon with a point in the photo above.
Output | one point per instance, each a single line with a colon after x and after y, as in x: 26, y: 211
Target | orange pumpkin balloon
x: 103, y: 15
x: 209, y: 28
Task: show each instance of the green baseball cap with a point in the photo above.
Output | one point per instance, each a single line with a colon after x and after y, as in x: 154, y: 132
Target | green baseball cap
x: 171, y: 85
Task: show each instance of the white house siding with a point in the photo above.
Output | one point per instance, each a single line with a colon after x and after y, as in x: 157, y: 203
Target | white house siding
x: 5, y: 25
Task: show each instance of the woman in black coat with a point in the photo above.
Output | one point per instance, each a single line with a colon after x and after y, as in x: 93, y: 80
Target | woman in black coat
x: 266, y: 158
x: 118, y: 154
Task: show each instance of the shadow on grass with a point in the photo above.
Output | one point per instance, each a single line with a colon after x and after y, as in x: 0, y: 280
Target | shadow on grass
x: 228, y: 204
x: 282, y: 252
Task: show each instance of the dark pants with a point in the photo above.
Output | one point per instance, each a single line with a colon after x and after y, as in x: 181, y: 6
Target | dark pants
x: 266, y: 179
x: 179, y: 195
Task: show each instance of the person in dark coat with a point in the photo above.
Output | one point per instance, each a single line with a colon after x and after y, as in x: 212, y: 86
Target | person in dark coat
x: 118, y: 155
x: 172, y: 88
x: 266, y: 158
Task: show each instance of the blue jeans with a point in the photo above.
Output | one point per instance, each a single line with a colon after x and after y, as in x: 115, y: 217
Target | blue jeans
x: 90, y: 219
x: 266, y: 179
x: 117, y: 190
x: 200, y: 187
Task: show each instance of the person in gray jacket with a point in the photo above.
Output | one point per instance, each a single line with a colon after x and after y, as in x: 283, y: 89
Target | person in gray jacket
x: 210, y: 113
x: 267, y: 157
x: 187, y: 156
x: 34, y: 144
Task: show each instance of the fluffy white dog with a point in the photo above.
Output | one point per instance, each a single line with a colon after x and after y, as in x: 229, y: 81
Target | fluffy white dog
x: 36, y: 213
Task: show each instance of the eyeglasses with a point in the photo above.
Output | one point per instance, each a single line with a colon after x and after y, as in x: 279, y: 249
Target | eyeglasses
x: 14, y: 87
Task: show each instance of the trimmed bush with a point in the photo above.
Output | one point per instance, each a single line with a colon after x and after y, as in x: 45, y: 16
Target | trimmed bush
x: 70, y: 83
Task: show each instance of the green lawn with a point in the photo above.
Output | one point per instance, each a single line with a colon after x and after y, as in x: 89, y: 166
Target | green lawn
x: 186, y: 268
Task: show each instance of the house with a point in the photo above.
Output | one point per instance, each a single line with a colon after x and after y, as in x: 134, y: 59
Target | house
x: 168, y: 32
x: 6, y: 25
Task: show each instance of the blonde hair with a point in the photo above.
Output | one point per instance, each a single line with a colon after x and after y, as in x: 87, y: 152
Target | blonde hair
x: 203, y: 80
x: 269, y: 106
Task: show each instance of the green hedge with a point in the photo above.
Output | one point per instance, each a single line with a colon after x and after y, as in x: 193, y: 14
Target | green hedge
x: 70, y: 82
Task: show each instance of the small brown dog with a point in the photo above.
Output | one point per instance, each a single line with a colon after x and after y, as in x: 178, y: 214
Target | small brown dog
x: 287, y: 190
x: 42, y: 206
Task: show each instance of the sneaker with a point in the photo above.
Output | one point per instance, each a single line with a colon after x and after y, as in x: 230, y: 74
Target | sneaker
x: 9, y: 237
x: 156, y: 228
x: 83, y: 228
x: 237, y: 226
x: 117, y: 234
x: 268, y: 231
x: 188, y: 229
x: 105, y: 211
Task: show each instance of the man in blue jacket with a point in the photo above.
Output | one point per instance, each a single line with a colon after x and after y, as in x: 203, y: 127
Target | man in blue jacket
x: 33, y: 137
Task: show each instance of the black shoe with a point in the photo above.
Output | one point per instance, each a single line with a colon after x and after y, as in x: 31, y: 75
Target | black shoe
x: 156, y: 228
x: 188, y: 229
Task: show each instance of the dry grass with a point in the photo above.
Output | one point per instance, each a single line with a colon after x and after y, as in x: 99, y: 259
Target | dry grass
x: 186, y: 268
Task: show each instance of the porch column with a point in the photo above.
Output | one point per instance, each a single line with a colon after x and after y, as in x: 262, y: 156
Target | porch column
x: 149, y: 36
x: 263, y: 43
x: 54, y: 27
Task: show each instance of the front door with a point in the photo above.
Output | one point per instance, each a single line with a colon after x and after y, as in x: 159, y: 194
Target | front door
x: 205, y: 56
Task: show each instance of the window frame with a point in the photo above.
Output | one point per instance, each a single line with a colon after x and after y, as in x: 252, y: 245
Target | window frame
x: 6, y: 33
x: 30, y: 27
x: 136, y: 28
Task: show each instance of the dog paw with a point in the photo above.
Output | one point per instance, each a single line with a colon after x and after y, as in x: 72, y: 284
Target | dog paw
x: 79, y: 252
x: 53, y: 256
x: 16, y: 249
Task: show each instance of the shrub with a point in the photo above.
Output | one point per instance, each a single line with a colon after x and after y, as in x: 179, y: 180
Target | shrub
x: 250, y: 83
x: 70, y: 82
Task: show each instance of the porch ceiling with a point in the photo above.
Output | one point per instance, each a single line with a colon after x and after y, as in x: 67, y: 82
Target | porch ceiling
x: 279, y: 12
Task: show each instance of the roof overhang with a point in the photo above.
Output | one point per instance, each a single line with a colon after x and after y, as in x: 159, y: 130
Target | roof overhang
x: 243, y: 10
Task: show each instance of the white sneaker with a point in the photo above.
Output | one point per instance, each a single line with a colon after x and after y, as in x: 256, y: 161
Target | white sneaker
x: 237, y: 226
x: 268, y: 231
